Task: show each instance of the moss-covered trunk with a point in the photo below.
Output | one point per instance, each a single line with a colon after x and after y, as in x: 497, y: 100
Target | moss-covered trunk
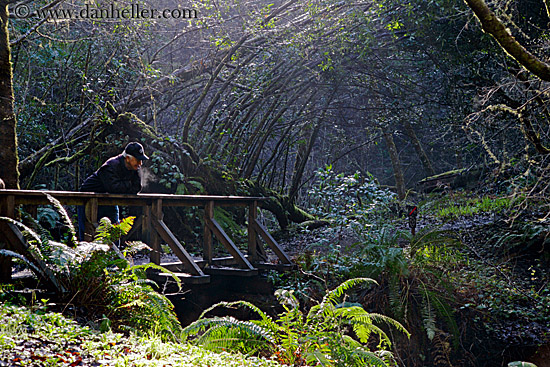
x: 8, y: 138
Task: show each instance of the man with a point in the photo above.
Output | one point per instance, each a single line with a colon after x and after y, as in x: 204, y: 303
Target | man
x: 118, y: 175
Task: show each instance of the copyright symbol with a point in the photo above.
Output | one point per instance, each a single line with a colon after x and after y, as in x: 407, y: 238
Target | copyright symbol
x: 21, y: 11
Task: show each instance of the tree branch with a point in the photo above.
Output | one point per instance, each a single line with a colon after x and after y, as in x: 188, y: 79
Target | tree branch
x: 492, y: 25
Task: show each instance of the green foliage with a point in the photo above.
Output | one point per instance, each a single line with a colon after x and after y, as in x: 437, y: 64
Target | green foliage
x: 522, y: 237
x: 228, y: 223
x: 319, y: 337
x: 97, y: 276
x: 346, y: 198
x: 40, y: 337
x: 416, y: 275
x: 169, y: 174
x: 474, y: 206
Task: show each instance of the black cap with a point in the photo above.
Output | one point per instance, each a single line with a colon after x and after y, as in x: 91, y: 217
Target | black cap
x: 136, y: 150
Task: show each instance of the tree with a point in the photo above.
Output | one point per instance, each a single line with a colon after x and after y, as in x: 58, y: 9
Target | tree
x: 9, y: 170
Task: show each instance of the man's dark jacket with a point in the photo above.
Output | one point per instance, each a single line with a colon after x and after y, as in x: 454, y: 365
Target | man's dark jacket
x: 113, y: 177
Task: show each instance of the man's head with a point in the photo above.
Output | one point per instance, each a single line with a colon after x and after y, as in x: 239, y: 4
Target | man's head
x: 134, y: 156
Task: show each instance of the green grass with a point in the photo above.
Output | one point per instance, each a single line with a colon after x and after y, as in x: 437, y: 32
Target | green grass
x: 40, y: 338
x: 474, y: 206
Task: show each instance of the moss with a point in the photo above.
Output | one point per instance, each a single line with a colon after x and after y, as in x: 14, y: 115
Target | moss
x: 447, y: 174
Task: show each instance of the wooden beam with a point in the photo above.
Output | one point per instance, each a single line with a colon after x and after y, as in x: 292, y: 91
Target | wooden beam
x: 154, y: 239
x: 229, y: 245
x: 207, y: 234
x: 17, y: 243
x: 232, y: 272
x: 271, y: 242
x: 185, y: 278
x: 178, y: 249
x: 91, y: 223
x: 252, y: 236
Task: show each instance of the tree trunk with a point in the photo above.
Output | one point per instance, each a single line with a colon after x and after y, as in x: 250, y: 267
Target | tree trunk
x: 428, y: 169
x: 302, y: 157
x: 8, y: 139
x: 9, y: 171
x: 396, y: 163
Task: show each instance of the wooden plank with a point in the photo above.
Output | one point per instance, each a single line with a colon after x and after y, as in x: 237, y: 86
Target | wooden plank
x: 252, y: 236
x: 229, y: 245
x: 12, y: 235
x: 271, y: 242
x: 37, y: 197
x: 207, y: 233
x: 277, y: 267
x: 91, y: 219
x: 220, y: 261
x: 9, y: 210
x: 187, y: 278
x: 232, y: 272
x: 146, y: 232
x: 176, y: 246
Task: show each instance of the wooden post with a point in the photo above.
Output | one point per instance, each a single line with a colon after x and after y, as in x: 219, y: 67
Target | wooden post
x: 7, y: 209
x: 91, y: 219
x: 207, y: 240
x: 252, y: 238
x: 156, y: 214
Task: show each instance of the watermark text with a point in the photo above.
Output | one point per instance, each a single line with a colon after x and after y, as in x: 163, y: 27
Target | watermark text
x: 109, y: 12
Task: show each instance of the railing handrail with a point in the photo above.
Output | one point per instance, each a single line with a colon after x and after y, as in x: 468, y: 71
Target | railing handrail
x: 38, y: 197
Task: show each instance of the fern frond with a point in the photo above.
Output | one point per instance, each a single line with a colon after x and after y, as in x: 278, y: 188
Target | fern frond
x: 10, y: 253
x: 249, y: 329
x: 26, y: 230
x: 335, y: 295
x: 363, y: 323
x: 366, y: 358
x: 267, y: 321
x: 397, y: 300
x: 71, y: 241
x: 428, y: 315
x: 443, y: 309
x: 287, y: 298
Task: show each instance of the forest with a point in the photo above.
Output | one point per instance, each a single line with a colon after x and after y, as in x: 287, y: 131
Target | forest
x: 402, y: 148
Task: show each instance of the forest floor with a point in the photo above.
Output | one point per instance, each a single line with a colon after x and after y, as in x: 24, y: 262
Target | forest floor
x: 502, y: 300
x: 502, y: 284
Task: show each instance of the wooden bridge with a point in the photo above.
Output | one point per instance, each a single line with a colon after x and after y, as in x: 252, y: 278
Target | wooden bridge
x: 154, y: 230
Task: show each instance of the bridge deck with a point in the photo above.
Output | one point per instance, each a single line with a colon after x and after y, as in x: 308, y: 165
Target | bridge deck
x: 154, y: 229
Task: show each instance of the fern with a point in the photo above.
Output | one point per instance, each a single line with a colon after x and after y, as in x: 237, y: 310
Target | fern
x: 71, y: 240
x: 228, y: 333
x: 335, y: 295
x: 428, y: 314
x: 99, y: 279
x: 267, y: 320
x: 318, y: 337
x: 9, y: 253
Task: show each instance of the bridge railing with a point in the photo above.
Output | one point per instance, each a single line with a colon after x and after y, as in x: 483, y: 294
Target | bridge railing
x: 153, y: 228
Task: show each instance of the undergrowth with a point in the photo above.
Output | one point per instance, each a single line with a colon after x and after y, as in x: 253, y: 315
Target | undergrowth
x: 43, y: 338
x: 334, y: 332
x: 97, y: 277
